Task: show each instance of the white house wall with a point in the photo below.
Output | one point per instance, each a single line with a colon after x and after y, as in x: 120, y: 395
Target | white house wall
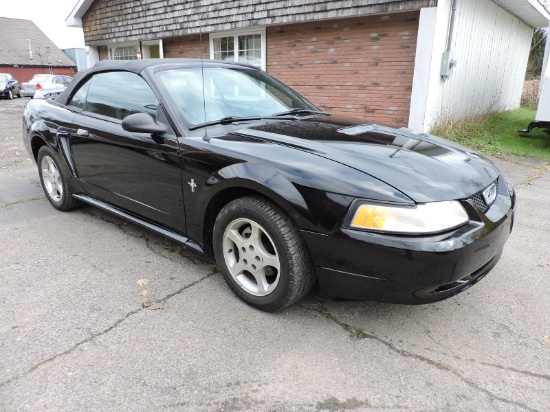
x: 491, y: 48
x: 543, y: 108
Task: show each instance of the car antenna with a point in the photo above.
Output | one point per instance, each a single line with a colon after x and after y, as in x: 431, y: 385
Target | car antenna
x: 205, y: 137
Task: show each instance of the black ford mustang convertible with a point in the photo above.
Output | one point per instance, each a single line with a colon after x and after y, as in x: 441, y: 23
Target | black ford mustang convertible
x: 229, y: 161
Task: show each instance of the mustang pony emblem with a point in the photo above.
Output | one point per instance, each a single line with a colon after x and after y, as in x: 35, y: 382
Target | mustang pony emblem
x: 192, y: 184
x: 490, y: 194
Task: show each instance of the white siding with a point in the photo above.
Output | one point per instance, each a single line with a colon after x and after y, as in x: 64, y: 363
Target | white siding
x: 543, y: 108
x: 491, y: 47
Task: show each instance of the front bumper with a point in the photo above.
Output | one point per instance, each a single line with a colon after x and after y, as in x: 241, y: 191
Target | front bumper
x: 411, y: 270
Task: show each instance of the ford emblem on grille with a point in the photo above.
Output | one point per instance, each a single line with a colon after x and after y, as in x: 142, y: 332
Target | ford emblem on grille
x: 490, y: 194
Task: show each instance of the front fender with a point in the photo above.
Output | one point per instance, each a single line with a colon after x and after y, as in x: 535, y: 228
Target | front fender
x: 307, y: 207
x: 264, y: 180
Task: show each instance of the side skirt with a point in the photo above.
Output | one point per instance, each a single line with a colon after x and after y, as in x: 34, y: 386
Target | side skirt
x: 144, y: 223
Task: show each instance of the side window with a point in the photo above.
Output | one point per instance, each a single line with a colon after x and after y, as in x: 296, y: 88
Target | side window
x: 120, y: 94
x: 79, y: 98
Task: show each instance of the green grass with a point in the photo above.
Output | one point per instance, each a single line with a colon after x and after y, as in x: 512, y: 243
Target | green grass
x: 496, y: 134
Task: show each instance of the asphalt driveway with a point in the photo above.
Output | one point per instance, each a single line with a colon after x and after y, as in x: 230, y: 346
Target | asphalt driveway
x: 101, y: 315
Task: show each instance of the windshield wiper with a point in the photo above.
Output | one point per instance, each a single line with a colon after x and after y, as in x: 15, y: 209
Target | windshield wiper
x: 298, y: 110
x: 288, y: 115
x: 233, y: 119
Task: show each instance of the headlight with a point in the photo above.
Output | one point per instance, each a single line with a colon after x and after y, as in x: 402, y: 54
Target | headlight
x: 425, y: 218
x: 2, y: 86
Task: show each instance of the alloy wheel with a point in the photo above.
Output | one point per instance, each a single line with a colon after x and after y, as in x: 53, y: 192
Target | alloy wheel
x: 251, y: 257
x: 52, y: 179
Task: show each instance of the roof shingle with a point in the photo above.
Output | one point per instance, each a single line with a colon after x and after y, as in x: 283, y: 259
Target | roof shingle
x: 14, y: 47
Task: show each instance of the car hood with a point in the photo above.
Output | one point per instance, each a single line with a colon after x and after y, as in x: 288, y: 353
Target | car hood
x: 423, y: 167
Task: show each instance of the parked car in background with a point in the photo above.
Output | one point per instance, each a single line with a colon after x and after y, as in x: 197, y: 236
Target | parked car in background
x: 9, y: 87
x: 228, y: 161
x: 47, y: 94
x: 45, y: 82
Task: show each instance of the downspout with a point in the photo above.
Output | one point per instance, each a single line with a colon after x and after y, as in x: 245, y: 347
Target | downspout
x: 451, y: 26
x: 448, y: 61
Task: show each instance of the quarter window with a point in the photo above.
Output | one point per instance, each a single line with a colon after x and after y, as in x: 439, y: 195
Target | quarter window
x: 79, y: 98
x: 239, y: 46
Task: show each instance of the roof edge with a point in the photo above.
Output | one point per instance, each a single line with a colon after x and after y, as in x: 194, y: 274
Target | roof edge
x: 74, y: 19
x: 538, y: 16
x: 535, y: 15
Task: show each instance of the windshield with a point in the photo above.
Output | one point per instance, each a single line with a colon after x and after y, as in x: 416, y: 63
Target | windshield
x: 3, y: 78
x: 40, y: 77
x: 229, y: 92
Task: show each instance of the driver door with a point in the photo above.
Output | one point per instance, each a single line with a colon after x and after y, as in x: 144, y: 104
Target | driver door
x: 138, y: 172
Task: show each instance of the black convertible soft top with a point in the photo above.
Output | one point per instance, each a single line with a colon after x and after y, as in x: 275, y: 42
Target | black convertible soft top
x: 137, y: 66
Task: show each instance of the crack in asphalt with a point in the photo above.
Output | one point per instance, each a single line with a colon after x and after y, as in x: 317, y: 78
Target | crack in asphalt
x: 519, y: 162
x: 105, y: 331
x: 537, y: 174
x: 180, y: 250
x: 507, y: 368
x: 18, y: 202
x: 358, y: 334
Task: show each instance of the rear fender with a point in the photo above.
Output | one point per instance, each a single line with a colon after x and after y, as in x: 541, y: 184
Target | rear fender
x: 57, y: 138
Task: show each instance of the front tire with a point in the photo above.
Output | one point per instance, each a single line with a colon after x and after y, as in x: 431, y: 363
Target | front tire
x: 261, y: 254
x: 10, y: 94
x: 54, y: 182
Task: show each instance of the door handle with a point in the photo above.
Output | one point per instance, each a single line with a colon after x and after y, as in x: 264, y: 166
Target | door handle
x: 82, y: 133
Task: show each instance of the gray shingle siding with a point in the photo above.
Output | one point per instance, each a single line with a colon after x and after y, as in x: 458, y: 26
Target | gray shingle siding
x: 108, y: 21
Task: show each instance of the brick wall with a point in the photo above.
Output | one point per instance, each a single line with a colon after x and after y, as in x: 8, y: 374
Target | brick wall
x: 187, y: 47
x: 357, y: 66
x: 360, y: 66
x: 103, y: 52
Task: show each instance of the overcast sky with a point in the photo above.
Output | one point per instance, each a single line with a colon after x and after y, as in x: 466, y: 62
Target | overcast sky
x: 50, y: 16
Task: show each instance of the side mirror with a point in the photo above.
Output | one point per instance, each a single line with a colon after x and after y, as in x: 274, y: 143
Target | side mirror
x: 142, y: 123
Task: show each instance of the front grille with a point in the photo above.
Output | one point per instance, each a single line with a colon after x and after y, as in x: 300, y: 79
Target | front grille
x: 479, y: 200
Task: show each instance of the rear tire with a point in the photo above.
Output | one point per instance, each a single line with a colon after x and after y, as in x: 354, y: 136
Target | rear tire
x: 54, y: 182
x: 261, y: 254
